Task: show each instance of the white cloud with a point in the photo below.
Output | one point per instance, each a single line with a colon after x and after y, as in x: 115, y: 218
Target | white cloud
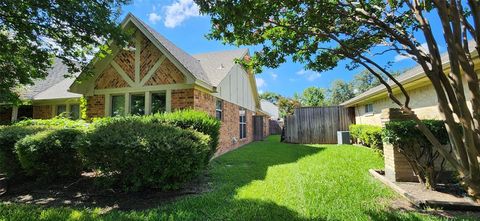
x: 273, y: 75
x: 154, y: 17
x: 260, y: 82
x: 309, y: 74
x: 179, y: 11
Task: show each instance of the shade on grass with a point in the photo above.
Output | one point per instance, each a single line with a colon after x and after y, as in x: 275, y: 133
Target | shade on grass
x: 266, y: 180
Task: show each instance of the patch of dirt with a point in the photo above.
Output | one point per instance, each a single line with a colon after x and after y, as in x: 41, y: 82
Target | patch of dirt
x: 84, y: 193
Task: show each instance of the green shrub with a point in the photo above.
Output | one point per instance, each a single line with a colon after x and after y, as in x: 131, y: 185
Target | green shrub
x: 368, y: 135
x: 57, y: 122
x: 50, y: 154
x: 9, y: 135
x: 135, y: 153
x: 197, y: 120
x: 408, y: 139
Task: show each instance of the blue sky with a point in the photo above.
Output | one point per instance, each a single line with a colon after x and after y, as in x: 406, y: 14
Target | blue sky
x: 180, y: 22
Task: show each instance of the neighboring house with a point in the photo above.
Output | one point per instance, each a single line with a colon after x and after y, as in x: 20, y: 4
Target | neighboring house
x: 424, y: 103
x: 153, y: 75
x: 270, y: 108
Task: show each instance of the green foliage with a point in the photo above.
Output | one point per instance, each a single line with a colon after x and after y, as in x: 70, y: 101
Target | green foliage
x: 340, y: 92
x: 135, y: 152
x: 196, y: 120
x: 32, y: 33
x: 83, y: 108
x: 9, y: 135
x: 270, y: 96
x: 368, y: 135
x: 405, y: 133
x: 313, y: 97
x: 50, y: 154
x: 364, y: 80
x: 287, y: 106
x: 57, y: 122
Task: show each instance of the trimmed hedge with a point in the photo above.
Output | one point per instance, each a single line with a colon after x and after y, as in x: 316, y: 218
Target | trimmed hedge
x: 402, y: 133
x: 368, y: 135
x: 57, y: 122
x: 10, y: 135
x: 50, y: 154
x: 136, y: 152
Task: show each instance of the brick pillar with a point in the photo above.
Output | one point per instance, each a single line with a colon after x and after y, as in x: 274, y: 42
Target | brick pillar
x: 397, y: 167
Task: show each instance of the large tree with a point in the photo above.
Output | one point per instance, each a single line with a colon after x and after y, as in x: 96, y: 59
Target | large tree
x: 312, y: 97
x: 270, y: 96
x: 339, y: 92
x: 33, y: 32
x: 321, y: 33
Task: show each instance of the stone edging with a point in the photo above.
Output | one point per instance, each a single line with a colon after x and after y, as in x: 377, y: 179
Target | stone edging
x: 421, y: 202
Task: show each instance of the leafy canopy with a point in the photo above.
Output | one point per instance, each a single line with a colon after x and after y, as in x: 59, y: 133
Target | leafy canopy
x: 33, y: 32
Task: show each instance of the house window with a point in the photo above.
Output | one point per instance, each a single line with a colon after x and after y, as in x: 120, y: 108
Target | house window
x: 159, y: 104
x: 118, y: 105
x: 218, y: 109
x: 61, y: 109
x: 74, y: 111
x: 369, y: 108
x: 243, y: 124
x: 137, y: 104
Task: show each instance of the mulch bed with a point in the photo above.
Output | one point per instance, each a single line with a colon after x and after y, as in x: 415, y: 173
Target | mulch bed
x: 83, y: 193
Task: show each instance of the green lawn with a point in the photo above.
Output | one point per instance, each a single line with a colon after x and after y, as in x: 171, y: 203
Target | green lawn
x: 265, y: 180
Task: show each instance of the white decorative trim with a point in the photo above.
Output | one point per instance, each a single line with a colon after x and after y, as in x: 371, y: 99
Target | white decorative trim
x: 14, y: 113
x: 162, y: 87
x: 153, y: 70
x: 148, y: 102
x: 108, y: 105
x: 122, y: 73
x: 168, y: 101
x: 127, y: 103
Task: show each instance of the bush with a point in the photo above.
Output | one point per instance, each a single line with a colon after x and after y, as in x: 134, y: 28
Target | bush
x: 135, y: 153
x: 50, y: 154
x: 57, y: 122
x: 368, y: 135
x: 197, y: 120
x: 9, y: 135
x: 409, y: 140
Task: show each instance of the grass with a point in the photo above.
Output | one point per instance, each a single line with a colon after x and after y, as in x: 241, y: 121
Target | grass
x: 265, y: 180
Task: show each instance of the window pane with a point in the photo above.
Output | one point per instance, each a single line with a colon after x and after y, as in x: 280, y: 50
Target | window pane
x: 118, y: 105
x: 137, y: 104
x: 74, y: 111
x: 159, y: 103
x: 61, y: 109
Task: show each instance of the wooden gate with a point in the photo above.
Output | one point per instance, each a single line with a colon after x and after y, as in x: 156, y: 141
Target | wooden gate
x: 258, y: 128
x: 310, y: 125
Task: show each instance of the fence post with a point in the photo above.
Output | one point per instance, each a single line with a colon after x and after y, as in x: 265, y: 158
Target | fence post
x: 397, y: 167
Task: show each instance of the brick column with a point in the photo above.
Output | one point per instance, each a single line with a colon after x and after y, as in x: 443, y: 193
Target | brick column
x: 397, y: 167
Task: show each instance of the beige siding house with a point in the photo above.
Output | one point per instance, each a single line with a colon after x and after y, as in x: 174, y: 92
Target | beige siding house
x: 153, y: 75
x: 424, y: 103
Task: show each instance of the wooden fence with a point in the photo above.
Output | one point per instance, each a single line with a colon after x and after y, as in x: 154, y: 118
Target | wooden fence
x: 317, y: 124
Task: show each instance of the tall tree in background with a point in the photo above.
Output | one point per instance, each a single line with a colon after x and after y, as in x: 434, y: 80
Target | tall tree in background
x: 33, y: 32
x: 312, y: 97
x: 270, y: 96
x: 321, y: 33
x: 365, y: 80
x: 287, y: 106
x: 339, y: 92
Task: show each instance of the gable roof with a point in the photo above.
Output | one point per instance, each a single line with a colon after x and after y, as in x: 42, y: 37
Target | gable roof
x: 185, y: 59
x: 218, y: 64
x: 408, y: 76
x: 54, y: 86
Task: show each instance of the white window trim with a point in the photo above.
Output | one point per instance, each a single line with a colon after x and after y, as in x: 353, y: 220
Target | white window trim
x: 68, y: 108
x: 220, y: 110
x: 370, y: 113
x: 148, y: 101
x: 243, y: 123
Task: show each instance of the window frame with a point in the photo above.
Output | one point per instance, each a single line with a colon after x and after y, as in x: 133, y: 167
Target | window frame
x: 60, y: 105
x: 152, y: 93
x: 111, y: 104
x: 242, y: 124
x: 217, y: 110
x: 368, y: 111
x: 131, y: 95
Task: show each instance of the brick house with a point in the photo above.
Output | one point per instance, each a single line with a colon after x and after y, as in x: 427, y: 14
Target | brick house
x: 153, y: 75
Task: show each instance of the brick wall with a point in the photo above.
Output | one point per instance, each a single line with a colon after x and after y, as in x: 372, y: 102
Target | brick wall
x: 42, y: 111
x: 95, y: 106
x: 182, y: 99
x: 230, y: 129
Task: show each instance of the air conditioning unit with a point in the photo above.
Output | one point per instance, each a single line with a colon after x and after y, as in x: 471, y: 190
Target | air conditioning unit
x: 343, y: 137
